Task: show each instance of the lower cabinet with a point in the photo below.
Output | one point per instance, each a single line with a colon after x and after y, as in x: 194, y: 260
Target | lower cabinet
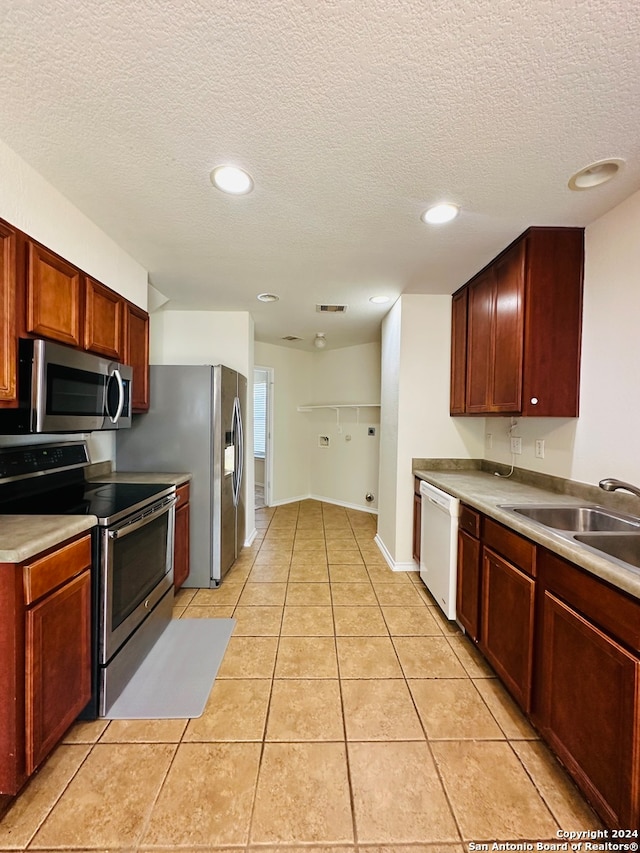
x: 45, y: 655
x: 417, y: 518
x: 181, y: 541
x: 588, y: 689
x: 567, y: 646
x: 58, y: 665
x: 506, y: 632
x: 469, y: 573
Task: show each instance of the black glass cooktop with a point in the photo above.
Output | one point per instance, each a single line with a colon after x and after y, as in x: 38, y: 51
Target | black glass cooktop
x: 111, y: 501
x: 108, y: 501
x: 49, y: 479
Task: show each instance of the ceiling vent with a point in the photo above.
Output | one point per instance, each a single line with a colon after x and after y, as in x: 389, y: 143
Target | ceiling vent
x: 331, y: 309
x: 291, y: 338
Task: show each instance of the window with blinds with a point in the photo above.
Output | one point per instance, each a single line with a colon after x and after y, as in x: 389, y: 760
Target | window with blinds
x: 260, y: 378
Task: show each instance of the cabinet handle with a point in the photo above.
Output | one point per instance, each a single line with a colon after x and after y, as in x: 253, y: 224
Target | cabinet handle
x: 534, y: 401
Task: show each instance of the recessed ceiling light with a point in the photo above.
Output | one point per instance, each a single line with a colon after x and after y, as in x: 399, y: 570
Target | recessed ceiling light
x: 379, y: 300
x: 440, y: 213
x: 268, y: 297
x: 232, y: 180
x: 595, y: 174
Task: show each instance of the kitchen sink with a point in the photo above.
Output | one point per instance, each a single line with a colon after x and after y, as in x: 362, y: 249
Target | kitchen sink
x: 577, y: 518
x: 621, y: 546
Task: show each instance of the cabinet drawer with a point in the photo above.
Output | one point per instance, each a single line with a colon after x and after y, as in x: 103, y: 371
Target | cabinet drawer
x: 182, y: 495
x: 518, y: 550
x: 43, y: 575
x: 609, y: 608
x: 469, y: 521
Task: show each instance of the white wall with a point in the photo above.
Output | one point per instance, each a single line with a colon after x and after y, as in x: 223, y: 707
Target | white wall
x: 601, y: 442
x: 211, y: 337
x: 34, y: 206
x: 416, y: 346
x: 203, y: 337
x: 389, y: 422
x: 291, y: 372
x: 347, y: 470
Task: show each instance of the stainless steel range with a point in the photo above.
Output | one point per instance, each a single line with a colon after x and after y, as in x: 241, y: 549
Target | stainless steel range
x: 132, y: 552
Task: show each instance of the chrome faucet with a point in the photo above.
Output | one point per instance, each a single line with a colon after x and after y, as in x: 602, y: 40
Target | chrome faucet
x: 612, y: 485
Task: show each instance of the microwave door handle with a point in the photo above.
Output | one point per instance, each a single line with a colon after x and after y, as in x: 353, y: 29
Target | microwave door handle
x: 114, y: 418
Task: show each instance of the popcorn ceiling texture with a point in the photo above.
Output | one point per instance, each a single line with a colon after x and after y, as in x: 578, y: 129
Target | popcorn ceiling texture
x: 352, y: 118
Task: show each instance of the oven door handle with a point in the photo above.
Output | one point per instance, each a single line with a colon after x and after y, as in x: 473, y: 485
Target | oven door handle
x: 142, y: 519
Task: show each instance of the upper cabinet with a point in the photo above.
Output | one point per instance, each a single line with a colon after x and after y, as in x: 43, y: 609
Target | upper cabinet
x: 103, y: 320
x: 136, y: 354
x: 53, y: 296
x: 8, y: 344
x: 516, y: 329
x: 42, y: 295
x: 459, y: 352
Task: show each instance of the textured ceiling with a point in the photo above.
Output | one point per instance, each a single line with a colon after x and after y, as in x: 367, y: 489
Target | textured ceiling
x: 352, y: 117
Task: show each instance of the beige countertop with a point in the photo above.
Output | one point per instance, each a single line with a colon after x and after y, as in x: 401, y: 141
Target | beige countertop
x: 24, y: 536
x: 486, y: 492
x: 170, y: 477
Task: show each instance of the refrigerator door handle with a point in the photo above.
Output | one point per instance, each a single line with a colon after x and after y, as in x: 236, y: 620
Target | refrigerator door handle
x: 240, y: 449
x: 237, y: 433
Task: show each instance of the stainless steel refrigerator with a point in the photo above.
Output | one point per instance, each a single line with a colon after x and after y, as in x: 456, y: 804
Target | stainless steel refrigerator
x: 195, y: 424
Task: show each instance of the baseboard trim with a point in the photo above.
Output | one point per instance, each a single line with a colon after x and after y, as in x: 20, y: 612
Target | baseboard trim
x: 345, y: 504
x: 395, y: 567
x: 289, y: 501
x: 324, y: 501
x: 249, y: 540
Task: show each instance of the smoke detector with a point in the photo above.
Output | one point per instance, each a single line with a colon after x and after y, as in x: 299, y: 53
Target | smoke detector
x: 331, y: 309
x: 320, y: 341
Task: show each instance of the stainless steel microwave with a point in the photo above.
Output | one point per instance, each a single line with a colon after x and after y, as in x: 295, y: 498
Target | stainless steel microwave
x: 64, y: 390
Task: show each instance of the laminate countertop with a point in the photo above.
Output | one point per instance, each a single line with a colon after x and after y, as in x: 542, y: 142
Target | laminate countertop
x: 24, y: 536
x: 487, y: 493
x: 170, y: 478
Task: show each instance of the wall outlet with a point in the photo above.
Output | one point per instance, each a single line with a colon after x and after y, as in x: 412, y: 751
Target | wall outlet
x: 516, y: 445
x: 539, y: 448
x: 488, y: 441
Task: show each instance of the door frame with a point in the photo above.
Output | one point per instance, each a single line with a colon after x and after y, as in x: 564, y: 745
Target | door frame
x: 268, y: 455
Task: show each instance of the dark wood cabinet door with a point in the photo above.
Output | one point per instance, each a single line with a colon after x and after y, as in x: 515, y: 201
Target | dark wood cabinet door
x: 480, y: 342
x: 588, y: 697
x: 468, y: 585
x: 8, y: 334
x: 137, y: 355
x: 54, y: 297
x: 508, y: 332
x: 181, y: 547
x: 58, y: 665
x: 417, y: 522
x: 103, y: 320
x: 506, y: 630
x: 457, y: 405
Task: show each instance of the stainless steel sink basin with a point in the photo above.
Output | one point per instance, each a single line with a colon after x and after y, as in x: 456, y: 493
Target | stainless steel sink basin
x: 621, y: 546
x: 578, y: 518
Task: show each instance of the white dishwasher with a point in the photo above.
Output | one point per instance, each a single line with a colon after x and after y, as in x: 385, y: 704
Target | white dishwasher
x: 439, y: 514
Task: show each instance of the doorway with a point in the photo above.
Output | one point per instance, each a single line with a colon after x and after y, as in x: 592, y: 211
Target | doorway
x: 262, y: 431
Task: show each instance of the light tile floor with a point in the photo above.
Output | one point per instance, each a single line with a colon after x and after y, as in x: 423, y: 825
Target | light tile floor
x: 347, y: 714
